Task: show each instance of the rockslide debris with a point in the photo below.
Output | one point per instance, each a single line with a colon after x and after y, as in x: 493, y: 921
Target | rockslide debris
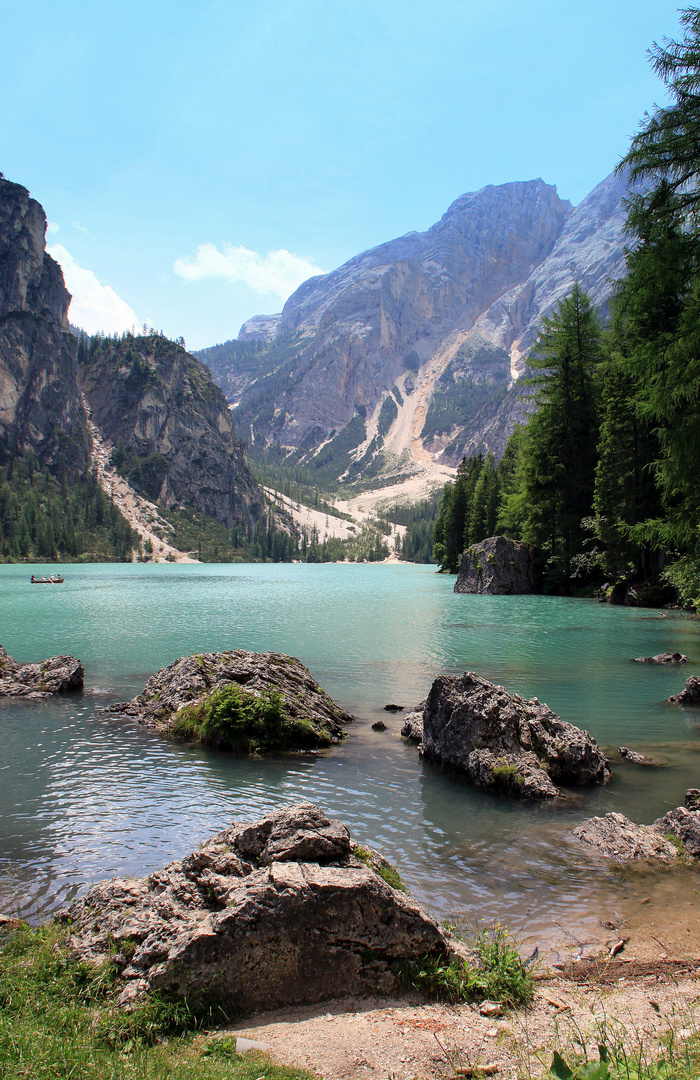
x: 501, y: 741
x: 276, y: 913
x: 57, y: 675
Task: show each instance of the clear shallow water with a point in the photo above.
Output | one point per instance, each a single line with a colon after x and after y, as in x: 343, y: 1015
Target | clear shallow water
x: 84, y: 796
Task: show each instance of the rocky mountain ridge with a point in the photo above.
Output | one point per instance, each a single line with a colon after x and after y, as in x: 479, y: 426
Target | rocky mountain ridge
x: 409, y: 352
x: 146, y: 394
x: 40, y: 407
x: 159, y: 405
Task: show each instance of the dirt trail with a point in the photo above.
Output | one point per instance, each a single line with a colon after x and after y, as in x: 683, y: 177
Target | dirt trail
x: 403, y: 1040
x: 142, y: 515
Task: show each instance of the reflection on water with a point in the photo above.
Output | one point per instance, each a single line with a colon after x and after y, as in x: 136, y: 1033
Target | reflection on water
x: 84, y: 796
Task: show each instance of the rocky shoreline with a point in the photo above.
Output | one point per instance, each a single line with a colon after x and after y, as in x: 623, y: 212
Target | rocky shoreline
x: 674, y: 836
x: 286, y: 911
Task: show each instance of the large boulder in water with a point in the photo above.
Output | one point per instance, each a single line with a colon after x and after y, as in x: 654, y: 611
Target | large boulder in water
x: 57, y: 675
x: 675, y: 834
x: 221, y: 699
x: 503, y: 742
x: 262, y: 916
x: 690, y: 695
x: 497, y: 566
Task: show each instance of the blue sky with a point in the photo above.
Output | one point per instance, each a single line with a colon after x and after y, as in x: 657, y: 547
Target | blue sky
x: 198, y: 160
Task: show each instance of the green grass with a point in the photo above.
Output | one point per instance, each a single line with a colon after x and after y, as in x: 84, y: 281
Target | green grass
x: 387, y: 873
x: 502, y: 975
x: 674, y: 1060
x: 58, y: 1020
x: 230, y: 718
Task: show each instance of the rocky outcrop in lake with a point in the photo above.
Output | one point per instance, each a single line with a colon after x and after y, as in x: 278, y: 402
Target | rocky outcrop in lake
x: 305, y: 719
x: 497, y: 567
x: 40, y: 406
x: 662, y: 658
x: 278, y: 913
x: 690, y: 695
x: 56, y: 675
x: 675, y: 834
x: 503, y: 742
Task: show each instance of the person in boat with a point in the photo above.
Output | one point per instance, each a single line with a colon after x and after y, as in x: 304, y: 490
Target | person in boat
x: 33, y: 580
x: 51, y: 578
x: 44, y: 580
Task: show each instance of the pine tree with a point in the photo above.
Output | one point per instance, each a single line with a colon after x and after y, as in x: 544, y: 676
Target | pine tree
x: 559, y: 466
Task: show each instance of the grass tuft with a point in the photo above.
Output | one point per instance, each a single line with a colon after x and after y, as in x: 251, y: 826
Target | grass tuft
x: 501, y: 976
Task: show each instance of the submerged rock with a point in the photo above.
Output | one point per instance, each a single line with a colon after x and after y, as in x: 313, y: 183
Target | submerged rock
x: 616, y: 837
x: 635, y: 757
x: 57, y: 675
x: 497, y: 566
x: 262, y: 916
x: 675, y: 834
x: 175, y: 699
x: 691, y: 694
x: 663, y: 658
x: 504, y: 742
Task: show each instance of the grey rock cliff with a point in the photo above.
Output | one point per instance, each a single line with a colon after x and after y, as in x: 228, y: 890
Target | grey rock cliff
x: 474, y: 285
x: 40, y: 402
x: 57, y: 675
x: 503, y: 742
x: 262, y: 916
x: 497, y: 566
x: 151, y: 393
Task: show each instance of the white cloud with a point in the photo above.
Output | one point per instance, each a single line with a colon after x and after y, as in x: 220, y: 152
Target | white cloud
x: 51, y: 228
x: 279, y: 272
x: 94, y: 306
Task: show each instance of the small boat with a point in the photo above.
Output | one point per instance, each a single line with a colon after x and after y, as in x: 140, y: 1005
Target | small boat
x: 47, y: 580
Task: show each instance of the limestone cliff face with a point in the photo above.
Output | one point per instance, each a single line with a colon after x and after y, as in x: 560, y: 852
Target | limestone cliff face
x: 447, y: 317
x: 355, y: 330
x: 40, y: 403
x: 163, y: 404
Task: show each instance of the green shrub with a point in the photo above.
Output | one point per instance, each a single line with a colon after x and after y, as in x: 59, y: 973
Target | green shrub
x: 233, y: 719
x: 502, y: 976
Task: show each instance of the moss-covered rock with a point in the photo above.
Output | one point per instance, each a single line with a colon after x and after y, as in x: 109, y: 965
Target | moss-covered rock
x: 242, y: 701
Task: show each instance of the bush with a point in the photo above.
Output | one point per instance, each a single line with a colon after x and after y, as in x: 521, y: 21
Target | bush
x: 502, y: 977
x: 231, y: 718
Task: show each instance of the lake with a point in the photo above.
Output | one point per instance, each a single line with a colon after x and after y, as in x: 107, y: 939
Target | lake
x: 85, y: 796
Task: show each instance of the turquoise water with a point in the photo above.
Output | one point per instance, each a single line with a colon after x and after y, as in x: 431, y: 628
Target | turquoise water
x: 84, y: 795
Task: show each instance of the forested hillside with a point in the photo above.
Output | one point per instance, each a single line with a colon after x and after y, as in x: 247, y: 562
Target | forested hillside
x: 602, y: 481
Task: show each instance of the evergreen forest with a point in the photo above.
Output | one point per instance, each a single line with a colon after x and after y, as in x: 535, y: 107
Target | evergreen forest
x: 602, y: 481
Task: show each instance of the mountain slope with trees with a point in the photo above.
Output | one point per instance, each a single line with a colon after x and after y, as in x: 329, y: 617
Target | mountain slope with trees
x: 603, y: 479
